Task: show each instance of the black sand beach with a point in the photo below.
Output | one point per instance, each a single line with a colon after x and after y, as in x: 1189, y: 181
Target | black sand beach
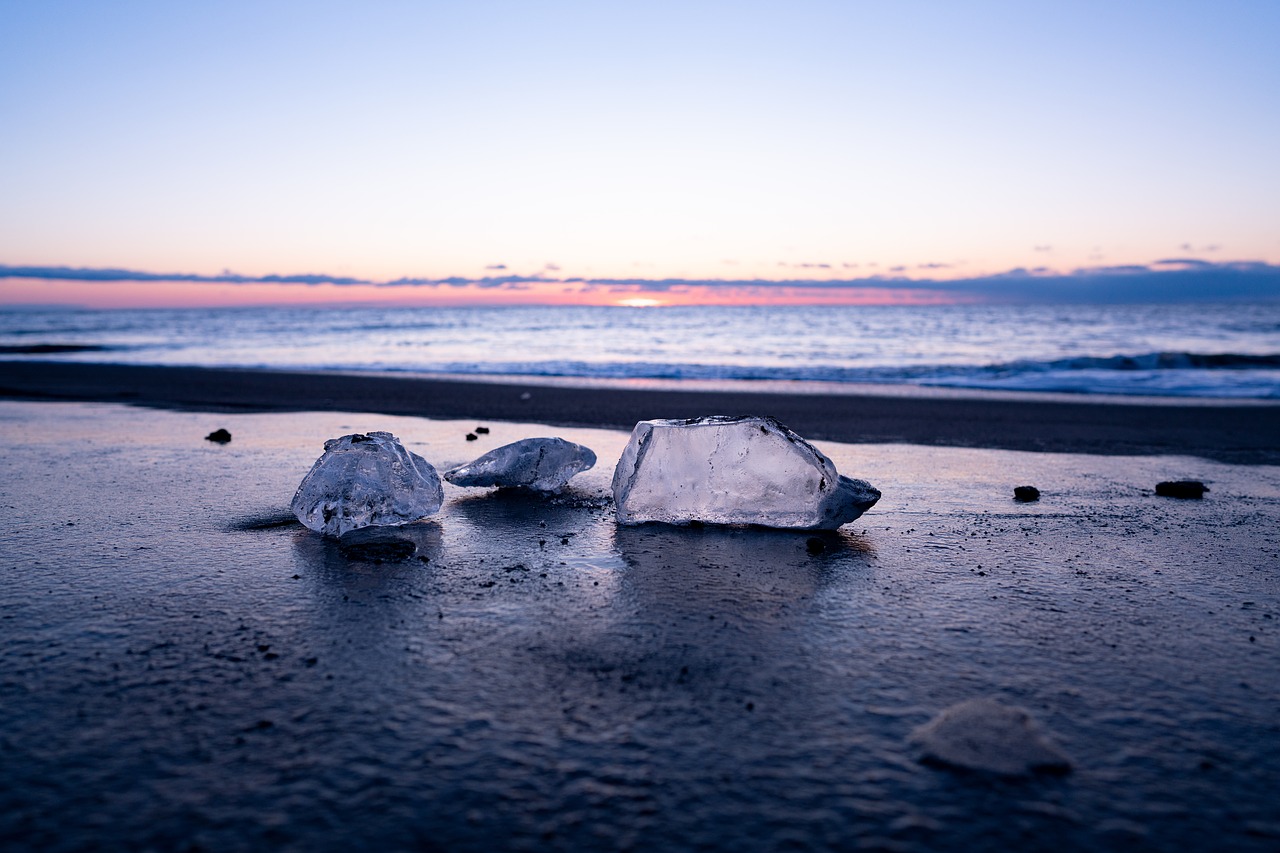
x: 183, y: 666
x: 1244, y: 433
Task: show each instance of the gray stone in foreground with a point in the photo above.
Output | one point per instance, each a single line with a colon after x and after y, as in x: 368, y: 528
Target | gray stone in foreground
x: 732, y: 470
x: 366, y: 481
x: 541, y: 464
x: 985, y: 735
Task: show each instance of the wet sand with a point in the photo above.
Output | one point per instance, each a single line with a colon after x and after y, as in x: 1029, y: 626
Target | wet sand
x: 1243, y: 433
x: 184, y: 666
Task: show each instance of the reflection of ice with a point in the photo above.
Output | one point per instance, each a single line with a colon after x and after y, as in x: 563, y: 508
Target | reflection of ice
x: 356, y: 561
x: 704, y: 624
x: 750, y: 577
x: 568, y: 536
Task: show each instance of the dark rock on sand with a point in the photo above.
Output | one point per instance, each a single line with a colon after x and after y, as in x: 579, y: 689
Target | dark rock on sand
x: 1193, y: 489
x: 219, y: 436
x: 482, y: 430
x: 471, y: 436
x: 1026, y: 494
x: 988, y: 736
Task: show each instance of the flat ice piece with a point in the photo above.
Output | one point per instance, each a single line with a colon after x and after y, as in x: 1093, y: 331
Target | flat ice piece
x: 542, y: 464
x: 732, y: 470
x: 985, y: 735
x: 366, y: 481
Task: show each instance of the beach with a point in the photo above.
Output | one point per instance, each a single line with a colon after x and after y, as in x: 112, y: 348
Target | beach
x: 186, y: 666
x: 1230, y: 431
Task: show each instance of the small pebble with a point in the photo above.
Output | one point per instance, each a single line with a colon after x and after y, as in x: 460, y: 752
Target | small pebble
x: 1192, y: 489
x: 218, y: 436
x: 1026, y: 494
x: 482, y: 430
x: 471, y: 436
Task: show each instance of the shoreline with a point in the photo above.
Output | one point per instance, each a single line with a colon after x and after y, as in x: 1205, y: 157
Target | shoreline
x: 1237, y: 433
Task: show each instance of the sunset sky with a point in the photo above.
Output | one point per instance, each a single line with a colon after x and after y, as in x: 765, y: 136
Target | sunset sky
x: 158, y: 153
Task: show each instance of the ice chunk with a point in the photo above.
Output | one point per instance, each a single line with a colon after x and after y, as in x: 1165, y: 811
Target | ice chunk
x: 732, y: 470
x: 542, y: 464
x: 365, y: 481
x: 983, y: 734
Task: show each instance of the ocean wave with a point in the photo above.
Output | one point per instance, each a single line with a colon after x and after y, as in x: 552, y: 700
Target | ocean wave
x: 1205, y: 351
x: 1233, y: 375
x: 1155, y: 361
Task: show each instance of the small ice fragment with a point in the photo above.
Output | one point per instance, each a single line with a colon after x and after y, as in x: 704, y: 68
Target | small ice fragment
x: 732, y: 470
x: 985, y: 735
x: 366, y: 481
x: 542, y: 464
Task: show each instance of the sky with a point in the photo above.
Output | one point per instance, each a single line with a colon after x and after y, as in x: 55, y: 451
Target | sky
x: 158, y: 153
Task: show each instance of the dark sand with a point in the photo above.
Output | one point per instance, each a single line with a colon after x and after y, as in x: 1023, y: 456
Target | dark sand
x: 1239, y: 433
x: 184, y: 667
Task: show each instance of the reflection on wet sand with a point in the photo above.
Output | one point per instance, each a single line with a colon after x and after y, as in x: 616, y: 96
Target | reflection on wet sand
x: 368, y: 559
x: 751, y: 576
x: 698, y: 615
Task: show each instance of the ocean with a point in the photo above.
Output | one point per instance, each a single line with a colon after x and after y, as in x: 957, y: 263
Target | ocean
x: 1228, y: 350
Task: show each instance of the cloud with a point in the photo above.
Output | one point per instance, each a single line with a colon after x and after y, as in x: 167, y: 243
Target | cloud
x: 933, y: 266
x: 1042, y: 248
x: 488, y: 282
x: 1182, y: 262
x: 1165, y: 280
x: 226, y: 277
x: 496, y: 267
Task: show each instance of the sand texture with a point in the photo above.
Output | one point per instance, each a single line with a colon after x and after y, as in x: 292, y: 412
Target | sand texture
x: 184, y: 666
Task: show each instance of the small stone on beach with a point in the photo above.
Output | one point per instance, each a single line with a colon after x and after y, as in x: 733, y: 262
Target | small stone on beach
x: 218, y: 436
x: 1026, y: 494
x: 482, y: 430
x: 1190, y: 489
x: 471, y: 436
x: 988, y: 736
